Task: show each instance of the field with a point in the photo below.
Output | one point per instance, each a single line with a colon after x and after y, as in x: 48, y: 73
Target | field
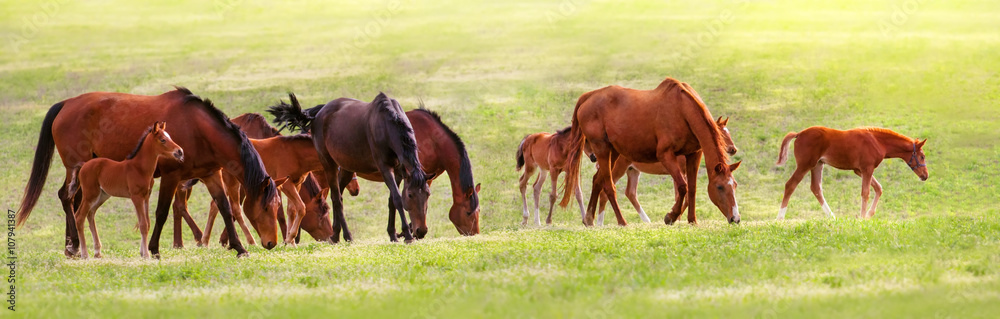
x: 497, y: 71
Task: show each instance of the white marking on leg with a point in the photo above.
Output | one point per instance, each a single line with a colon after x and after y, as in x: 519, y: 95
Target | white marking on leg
x: 600, y: 219
x: 781, y: 213
x: 826, y: 208
x: 642, y: 215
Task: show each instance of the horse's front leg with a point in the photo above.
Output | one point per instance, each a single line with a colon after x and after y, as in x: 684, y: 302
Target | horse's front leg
x: 397, y: 202
x: 672, y: 165
x: 168, y: 186
x: 691, y: 163
x: 217, y: 189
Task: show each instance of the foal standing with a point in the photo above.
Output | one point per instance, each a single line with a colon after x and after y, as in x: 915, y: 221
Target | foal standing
x: 545, y: 152
x: 860, y: 150
x: 101, y: 178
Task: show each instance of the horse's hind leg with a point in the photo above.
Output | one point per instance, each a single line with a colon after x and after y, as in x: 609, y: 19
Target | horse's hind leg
x: 296, y: 209
x: 529, y: 170
x: 93, y: 225
x: 800, y: 172
x: 866, y: 182
x: 673, y: 167
x: 70, y: 200
x: 817, y: 188
x: 141, y: 204
x: 538, y: 191
x: 878, y: 194
x: 554, y: 176
x: 213, y: 210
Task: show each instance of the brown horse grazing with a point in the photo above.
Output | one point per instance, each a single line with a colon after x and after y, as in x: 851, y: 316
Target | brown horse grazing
x: 623, y: 167
x: 352, y: 136
x: 647, y: 127
x: 441, y: 150
x: 860, y: 150
x: 102, y: 178
x: 102, y: 124
x: 545, y: 152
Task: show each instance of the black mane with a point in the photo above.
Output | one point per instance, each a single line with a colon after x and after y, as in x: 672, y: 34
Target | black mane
x: 254, y: 175
x: 139, y: 146
x: 563, y: 131
x: 400, y: 126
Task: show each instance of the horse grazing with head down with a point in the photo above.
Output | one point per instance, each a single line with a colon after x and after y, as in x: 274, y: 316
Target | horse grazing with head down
x: 102, y: 178
x: 102, y: 124
x: 366, y: 138
x: 544, y: 152
x: 860, y: 150
x: 654, y: 126
x: 440, y: 150
x: 624, y: 167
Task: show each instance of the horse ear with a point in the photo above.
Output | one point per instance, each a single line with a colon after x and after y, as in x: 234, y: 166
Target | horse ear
x: 719, y: 121
x: 477, y: 187
x: 278, y: 182
x: 429, y: 177
x: 734, y: 166
x: 921, y: 143
x: 725, y: 122
x: 719, y: 168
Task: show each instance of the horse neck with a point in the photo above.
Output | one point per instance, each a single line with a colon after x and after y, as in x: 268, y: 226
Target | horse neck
x: 704, y: 129
x: 894, y: 146
x: 452, y: 165
x: 145, y: 159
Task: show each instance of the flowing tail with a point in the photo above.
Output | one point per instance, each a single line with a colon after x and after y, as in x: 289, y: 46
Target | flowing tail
x: 40, y: 166
x: 574, y: 150
x: 520, y: 152
x: 783, y: 153
x: 291, y: 115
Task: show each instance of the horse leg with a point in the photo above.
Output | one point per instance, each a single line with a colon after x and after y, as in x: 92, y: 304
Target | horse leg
x: 817, y: 188
x: 397, y: 202
x: 523, y: 186
x: 168, y: 185
x: 671, y: 164
x: 235, y: 203
x: 391, y: 227
x: 610, y: 190
x: 141, y: 204
x: 93, y: 225
x: 195, y: 231
x: 217, y: 189
x: 579, y: 200
x: 800, y: 172
x: 68, y: 200
x: 181, y: 212
x: 344, y: 178
x: 866, y: 184
x: 878, y: 194
x: 537, y: 195
x: 554, y: 176
x: 284, y: 224
x: 691, y: 164
x: 89, y: 204
x: 213, y: 210
x: 602, y: 202
x: 296, y: 210
x: 632, y: 192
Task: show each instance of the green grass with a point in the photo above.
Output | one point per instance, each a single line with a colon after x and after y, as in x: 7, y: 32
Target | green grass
x: 496, y: 72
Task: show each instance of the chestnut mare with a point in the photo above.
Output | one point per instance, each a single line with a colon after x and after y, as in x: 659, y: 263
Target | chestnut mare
x: 102, y: 124
x: 545, y: 152
x: 352, y: 136
x: 624, y: 167
x: 440, y: 150
x: 102, y: 178
x: 860, y: 150
x: 654, y: 126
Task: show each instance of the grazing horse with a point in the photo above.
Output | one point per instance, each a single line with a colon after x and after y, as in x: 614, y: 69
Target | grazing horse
x: 352, y: 136
x: 623, y: 167
x: 441, y: 150
x: 102, y: 124
x: 860, y: 150
x: 648, y: 127
x: 102, y: 178
x: 545, y: 152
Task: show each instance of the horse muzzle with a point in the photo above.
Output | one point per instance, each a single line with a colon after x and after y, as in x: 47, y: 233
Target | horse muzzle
x: 179, y: 155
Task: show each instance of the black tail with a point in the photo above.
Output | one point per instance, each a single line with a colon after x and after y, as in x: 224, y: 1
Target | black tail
x: 520, y: 153
x: 40, y: 166
x: 291, y: 115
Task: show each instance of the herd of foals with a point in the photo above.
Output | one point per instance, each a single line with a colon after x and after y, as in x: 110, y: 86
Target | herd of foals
x: 116, y: 144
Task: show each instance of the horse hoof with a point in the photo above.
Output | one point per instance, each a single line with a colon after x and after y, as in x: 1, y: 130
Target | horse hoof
x: 668, y: 221
x: 408, y: 241
x: 98, y: 255
x: 155, y: 256
x: 243, y: 254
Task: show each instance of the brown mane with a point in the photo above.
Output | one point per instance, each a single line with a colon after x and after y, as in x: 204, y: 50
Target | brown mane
x: 713, y: 128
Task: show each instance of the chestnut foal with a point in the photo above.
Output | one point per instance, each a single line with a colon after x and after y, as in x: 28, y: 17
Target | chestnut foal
x: 101, y: 178
x: 545, y: 152
x: 860, y: 150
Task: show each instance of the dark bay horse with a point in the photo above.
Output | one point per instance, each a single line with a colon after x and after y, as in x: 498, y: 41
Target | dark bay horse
x: 654, y: 126
x: 352, y: 136
x: 102, y: 178
x: 102, y: 124
x: 860, y: 150
x: 633, y: 170
x: 544, y: 152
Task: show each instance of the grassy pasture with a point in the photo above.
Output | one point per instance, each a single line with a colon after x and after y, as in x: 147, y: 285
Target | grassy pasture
x: 496, y: 71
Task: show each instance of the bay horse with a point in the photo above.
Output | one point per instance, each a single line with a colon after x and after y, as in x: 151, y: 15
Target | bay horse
x: 440, y: 150
x: 103, y: 124
x: 545, y: 152
x: 374, y: 137
x: 102, y: 178
x: 624, y: 167
x: 650, y: 126
x: 860, y: 150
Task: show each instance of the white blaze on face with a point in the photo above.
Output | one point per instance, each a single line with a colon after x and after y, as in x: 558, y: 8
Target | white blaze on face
x: 167, y: 135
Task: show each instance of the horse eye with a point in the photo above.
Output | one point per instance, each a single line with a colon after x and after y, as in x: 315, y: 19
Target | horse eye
x: 719, y: 187
x: 409, y: 195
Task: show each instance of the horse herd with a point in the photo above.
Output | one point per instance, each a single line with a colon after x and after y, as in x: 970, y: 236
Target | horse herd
x: 248, y: 166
